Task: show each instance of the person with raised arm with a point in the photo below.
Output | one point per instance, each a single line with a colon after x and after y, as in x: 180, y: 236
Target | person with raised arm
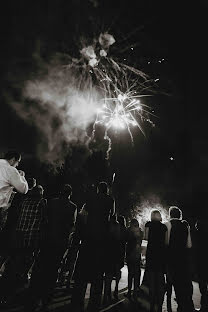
x: 10, y: 179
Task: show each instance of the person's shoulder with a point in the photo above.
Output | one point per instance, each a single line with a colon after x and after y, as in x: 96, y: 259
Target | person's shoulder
x: 12, y: 170
x: 3, y: 163
x: 185, y: 223
x: 167, y: 224
x: 44, y: 201
x: 163, y: 226
x: 18, y: 197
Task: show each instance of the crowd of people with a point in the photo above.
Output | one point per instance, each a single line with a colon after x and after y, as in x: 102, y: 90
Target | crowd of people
x: 43, y: 239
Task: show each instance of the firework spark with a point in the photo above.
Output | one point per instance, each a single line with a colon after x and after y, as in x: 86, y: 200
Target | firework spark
x: 122, y: 88
x: 93, y: 88
x: 121, y: 112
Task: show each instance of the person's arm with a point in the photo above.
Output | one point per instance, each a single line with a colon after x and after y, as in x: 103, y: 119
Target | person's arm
x: 113, y: 208
x: 18, y: 181
x: 167, y: 235
x: 189, y: 240
x: 74, y: 216
x: 146, y: 233
x: 142, y: 234
x: 166, y: 238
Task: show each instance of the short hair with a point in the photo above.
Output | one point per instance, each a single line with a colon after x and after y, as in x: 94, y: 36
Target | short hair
x: 103, y: 187
x: 175, y: 212
x: 66, y: 190
x: 12, y: 154
x: 121, y: 220
x: 134, y: 222
x: 31, y: 182
x: 37, y: 190
x: 156, y: 215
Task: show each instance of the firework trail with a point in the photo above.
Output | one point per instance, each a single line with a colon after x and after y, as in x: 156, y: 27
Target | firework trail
x: 92, y: 89
x: 122, y: 87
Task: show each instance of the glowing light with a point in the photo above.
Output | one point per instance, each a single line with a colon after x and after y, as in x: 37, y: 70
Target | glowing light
x: 74, y: 88
x: 119, y: 85
x: 122, y: 112
x: 144, y: 212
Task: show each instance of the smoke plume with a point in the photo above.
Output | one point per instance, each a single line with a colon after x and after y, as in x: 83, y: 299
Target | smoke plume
x: 61, y: 107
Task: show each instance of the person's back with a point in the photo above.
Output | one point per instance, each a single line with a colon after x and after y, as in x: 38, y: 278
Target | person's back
x: 61, y: 217
x: 133, y: 256
x: 202, y: 260
x: 99, y: 208
x: 112, y: 245
x: 14, y: 209
x: 101, y: 205
x: 123, y: 237
x: 134, y: 240
x: 155, y: 254
x: 201, y: 234
x: 59, y: 224
x: 10, y: 177
x: 177, y: 248
x: 31, y: 218
x: 178, y: 269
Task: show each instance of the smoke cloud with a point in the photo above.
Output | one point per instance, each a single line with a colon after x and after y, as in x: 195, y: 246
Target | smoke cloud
x: 61, y: 107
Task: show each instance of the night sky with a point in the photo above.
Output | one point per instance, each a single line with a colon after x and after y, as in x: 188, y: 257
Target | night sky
x: 158, y: 30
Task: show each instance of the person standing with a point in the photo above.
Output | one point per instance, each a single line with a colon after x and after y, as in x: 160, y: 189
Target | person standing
x: 10, y: 179
x: 202, y: 260
x: 133, y: 256
x: 178, y: 271
x: 154, y: 276
x: 27, y: 240
x: 61, y: 217
x: 92, y: 255
x: 112, y: 262
x: 122, y: 252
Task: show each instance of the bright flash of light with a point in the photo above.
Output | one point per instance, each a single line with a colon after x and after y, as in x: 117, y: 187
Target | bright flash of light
x: 73, y: 89
x: 122, y: 112
x: 120, y: 85
x: 144, y: 212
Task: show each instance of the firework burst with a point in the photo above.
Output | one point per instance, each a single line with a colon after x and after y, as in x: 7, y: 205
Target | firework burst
x: 92, y: 89
x: 121, y: 86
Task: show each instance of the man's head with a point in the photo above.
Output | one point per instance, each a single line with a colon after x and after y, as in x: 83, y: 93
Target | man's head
x: 134, y: 222
x: 37, y: 191
x: 13, y: 158
x: 103, y: 187
x: 156, y: 215
x: 31, y: 183
x: 175, y: 213
x: 66, y: 191
x: 121, y: 219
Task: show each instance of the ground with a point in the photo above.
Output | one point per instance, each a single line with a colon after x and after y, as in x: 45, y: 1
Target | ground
x: 62, y: 299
